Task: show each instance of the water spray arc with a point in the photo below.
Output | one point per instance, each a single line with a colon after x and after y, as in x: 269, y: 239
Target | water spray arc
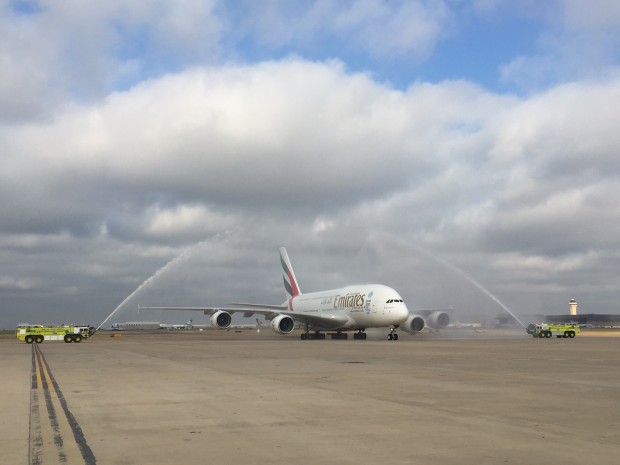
x: 468, y: 278
x: 479, y: 286
x: 149, y: 281
x: 462, y: 274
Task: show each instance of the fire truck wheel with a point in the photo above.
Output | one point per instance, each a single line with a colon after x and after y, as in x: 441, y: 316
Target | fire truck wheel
x: 29, y: 339
x: 77, y: 338
x: 68, y: 338
x: 39, y: 339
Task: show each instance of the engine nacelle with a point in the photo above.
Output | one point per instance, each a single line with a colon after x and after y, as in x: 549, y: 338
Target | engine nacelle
x: 413, y: 324
x: 282, y: 324
x: 221, y: 319
x: 438, y: 319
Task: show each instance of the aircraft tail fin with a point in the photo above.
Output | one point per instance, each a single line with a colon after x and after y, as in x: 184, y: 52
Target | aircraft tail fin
x: 290, y: 282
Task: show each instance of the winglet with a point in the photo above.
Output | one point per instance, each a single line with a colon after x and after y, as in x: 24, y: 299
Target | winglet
x: 290, y: 282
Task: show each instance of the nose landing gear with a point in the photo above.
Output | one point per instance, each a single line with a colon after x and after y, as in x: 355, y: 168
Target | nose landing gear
x: 393, y: 336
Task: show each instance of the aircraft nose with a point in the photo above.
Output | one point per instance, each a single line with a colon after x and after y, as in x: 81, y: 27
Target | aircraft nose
x: 402, y: 313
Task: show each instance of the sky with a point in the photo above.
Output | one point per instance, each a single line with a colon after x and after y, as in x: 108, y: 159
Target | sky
x: 409, y: 143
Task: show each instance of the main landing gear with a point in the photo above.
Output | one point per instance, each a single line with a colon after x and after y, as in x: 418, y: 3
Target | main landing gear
x: 309, y: 335
x: 360, y: 335
x: 393, y: 336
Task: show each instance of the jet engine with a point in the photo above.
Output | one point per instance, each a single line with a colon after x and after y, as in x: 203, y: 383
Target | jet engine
x: 438, y: 319
x: 282, y: 324
x: 413, y: 324
x: 221, y: 319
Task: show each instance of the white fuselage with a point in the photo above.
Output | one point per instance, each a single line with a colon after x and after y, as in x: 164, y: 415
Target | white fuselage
x: 364, y: 306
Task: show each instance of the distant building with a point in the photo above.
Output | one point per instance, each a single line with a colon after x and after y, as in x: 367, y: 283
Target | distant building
x: 594, y: 319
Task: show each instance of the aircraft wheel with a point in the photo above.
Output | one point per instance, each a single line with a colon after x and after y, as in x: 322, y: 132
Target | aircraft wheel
x: 395, y: 337
x: 390, y: 337
x: 303, y: 336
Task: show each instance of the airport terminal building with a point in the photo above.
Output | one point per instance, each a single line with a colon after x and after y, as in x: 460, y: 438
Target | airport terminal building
x: 597, y: 320
x: 586, y: 319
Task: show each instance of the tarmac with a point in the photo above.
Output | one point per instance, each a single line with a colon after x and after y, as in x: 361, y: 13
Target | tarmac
x: 226, y: 397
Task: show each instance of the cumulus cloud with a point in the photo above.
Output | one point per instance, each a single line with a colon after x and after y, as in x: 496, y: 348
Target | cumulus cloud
x: 292, y: 126
x: 210, y: 150
x: 52, y: 52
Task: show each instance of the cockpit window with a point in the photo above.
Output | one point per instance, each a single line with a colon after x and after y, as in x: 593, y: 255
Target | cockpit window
x: 394, y: 300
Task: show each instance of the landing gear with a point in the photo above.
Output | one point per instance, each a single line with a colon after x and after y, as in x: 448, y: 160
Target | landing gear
x: 393, y: 336
x: 341, y: 335
x: 316, y: 335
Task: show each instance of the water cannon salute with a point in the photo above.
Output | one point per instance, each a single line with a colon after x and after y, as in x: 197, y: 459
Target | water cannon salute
x: 437, y: 169
x: 351, y: 308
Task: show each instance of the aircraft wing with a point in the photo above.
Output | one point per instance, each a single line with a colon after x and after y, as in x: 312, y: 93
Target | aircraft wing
x: 327, y: 320
x: 428, y: 311
x: 274, y: 307
x: 266, y: 310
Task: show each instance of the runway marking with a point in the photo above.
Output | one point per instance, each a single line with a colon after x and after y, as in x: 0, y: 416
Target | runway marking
x: 49, y: 442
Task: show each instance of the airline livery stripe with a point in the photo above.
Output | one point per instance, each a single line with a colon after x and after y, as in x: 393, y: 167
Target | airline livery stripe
x: 287, y: 286
x: 291, y: 286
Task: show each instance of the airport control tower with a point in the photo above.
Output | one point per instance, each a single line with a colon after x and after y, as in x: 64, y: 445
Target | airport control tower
x: 572, y: 306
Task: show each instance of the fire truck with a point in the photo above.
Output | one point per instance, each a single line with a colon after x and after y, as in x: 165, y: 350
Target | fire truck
x: 67, y: 333
x: 558, y: 330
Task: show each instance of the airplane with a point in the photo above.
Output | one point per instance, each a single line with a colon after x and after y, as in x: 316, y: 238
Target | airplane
x: 187, y: 325
x: 350, y: 308
x: 149, y: 325
x: 136, y: 325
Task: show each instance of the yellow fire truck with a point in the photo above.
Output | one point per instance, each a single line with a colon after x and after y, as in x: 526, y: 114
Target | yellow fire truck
x: 40, y: 333
x: 558, y: 330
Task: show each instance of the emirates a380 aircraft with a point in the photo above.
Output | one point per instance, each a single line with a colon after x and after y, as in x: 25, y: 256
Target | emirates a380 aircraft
x: 351, y: 308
